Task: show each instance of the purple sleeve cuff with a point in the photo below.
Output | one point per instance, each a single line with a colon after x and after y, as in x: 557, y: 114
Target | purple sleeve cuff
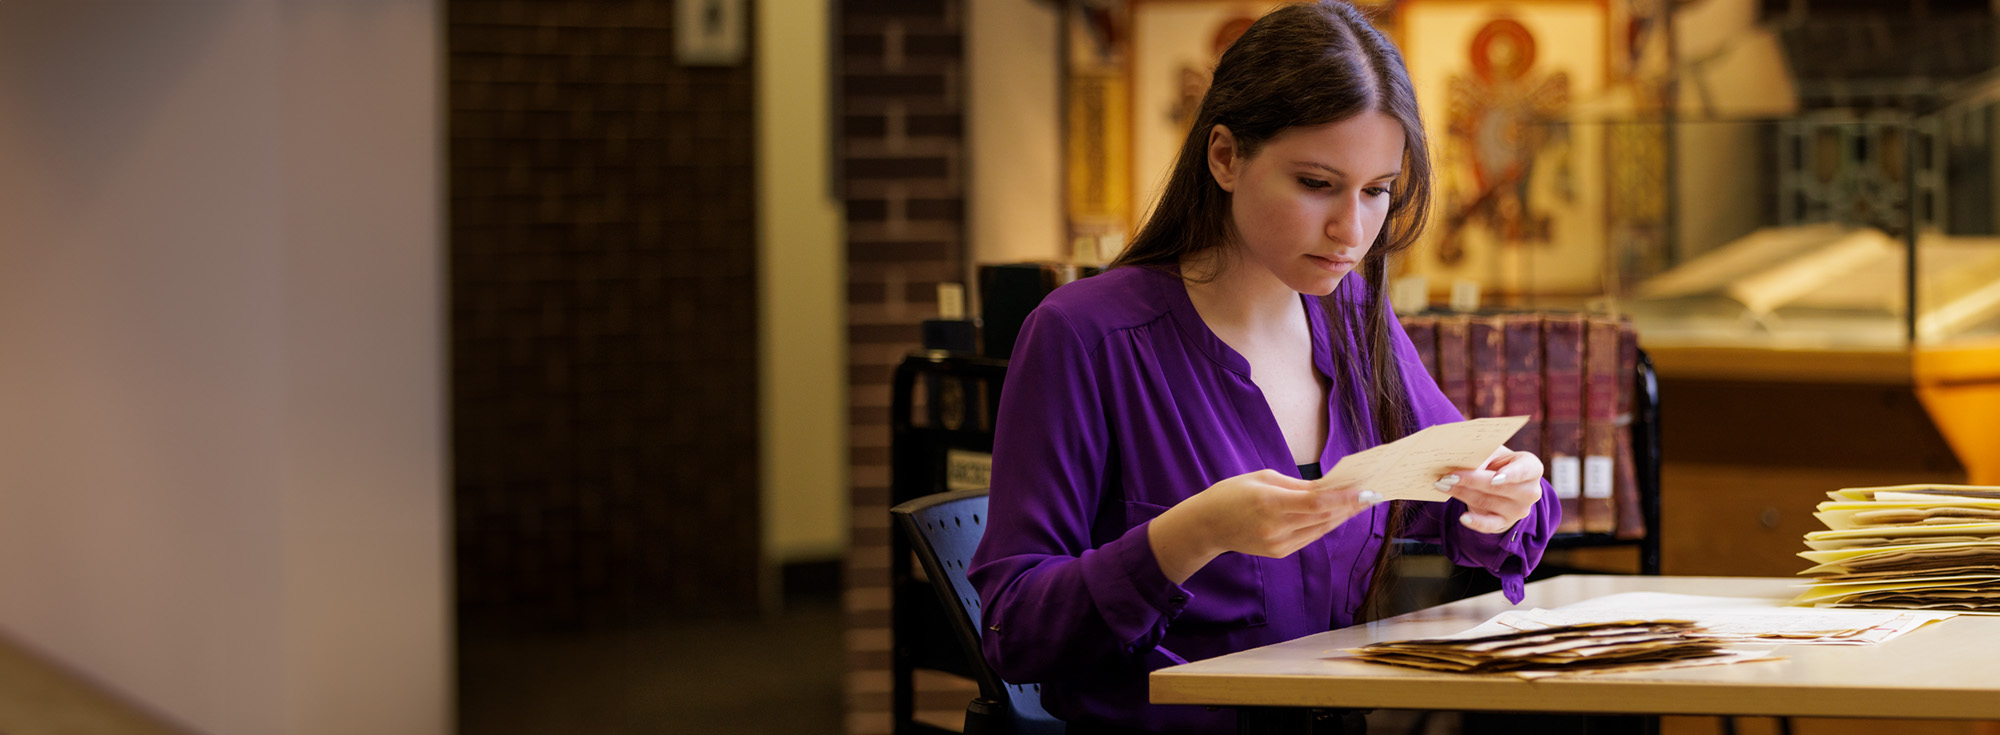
x: 1509, y: 556
x: 1513, y: 568
x: 1132, y: 594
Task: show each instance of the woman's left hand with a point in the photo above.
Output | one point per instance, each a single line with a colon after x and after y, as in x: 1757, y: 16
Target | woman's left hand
x: 1498, y: 494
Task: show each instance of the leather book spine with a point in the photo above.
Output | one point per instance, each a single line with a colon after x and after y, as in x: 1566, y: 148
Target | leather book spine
x: 1422, y: 329
x: 1600, y: 427
x: 1522, y: 345
x: 1485, y: 339
x: 1562, y: 424
x: 1454, y: 361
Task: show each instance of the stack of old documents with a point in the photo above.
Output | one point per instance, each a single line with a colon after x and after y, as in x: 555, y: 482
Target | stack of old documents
x: 1622, y: 645
x: 1928, y: 547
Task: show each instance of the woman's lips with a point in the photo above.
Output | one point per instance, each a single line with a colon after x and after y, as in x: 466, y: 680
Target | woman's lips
x: 1332, y: 264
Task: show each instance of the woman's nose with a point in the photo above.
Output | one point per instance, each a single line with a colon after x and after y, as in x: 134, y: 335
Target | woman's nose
x: 1342, y: 224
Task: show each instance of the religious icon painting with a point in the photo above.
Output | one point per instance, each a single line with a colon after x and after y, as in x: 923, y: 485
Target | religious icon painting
x: 1097, y: 125
x: 1520, y: 197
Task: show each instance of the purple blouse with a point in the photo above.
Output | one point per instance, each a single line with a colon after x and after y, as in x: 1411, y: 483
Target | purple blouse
x: 1119, y: 402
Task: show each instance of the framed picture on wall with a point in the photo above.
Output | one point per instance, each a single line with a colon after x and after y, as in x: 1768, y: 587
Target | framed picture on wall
x: 1174, y: 47
x: 1520, y: 200
x: 1097, y: 129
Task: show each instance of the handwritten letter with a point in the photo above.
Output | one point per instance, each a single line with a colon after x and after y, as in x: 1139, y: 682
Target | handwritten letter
x: 1406, y: 468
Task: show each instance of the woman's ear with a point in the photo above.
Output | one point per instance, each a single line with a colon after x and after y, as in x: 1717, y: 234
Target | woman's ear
x: 1224, y: 163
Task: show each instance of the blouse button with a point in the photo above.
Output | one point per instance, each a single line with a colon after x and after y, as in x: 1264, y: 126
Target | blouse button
x: 1178, y: 599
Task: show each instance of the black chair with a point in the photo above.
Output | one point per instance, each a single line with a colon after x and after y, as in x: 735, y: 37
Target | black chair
x: 940, y: 426
x: 1646, y: 457
x: 943, y: 531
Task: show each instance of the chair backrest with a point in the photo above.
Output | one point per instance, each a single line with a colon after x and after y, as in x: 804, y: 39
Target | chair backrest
x: 1646, y: 458
x: 943, y: 530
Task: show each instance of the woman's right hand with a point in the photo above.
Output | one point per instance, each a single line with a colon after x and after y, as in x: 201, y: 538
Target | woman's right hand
x: 1262, y: 513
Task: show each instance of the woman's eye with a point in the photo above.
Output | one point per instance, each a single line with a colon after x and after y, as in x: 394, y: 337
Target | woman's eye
x: 1313, y: 183
x: 1377, y: 191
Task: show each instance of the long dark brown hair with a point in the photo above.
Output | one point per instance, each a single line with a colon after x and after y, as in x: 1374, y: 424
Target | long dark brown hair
x: 1301, y: 65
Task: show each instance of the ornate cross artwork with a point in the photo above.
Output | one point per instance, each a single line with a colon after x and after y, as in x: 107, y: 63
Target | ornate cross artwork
x: 1520, y: 204
x: 1502, y: 118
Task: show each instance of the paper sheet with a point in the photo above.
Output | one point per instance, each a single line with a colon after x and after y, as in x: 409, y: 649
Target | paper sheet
x: 1884, y: 514
x: 1897, y: 542
x: 1928, y: 502
x: 1906, y: 572
x: 1916, y: 493
x: 1732, y: 618
x: 1406, y: 469
x: 1725, y: 656
x: 1835, y: 591
x: 1981, y: 529
x: 1920, y: 546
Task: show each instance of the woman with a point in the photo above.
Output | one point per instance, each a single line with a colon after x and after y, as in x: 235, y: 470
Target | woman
x: 1150, y: 501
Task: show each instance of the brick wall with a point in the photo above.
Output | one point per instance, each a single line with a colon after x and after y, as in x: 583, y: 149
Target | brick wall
x: 901, y: 65
x: 603, y: 315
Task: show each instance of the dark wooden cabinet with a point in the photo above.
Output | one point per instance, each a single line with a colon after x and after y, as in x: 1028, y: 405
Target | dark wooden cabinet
x: 1753, y: 439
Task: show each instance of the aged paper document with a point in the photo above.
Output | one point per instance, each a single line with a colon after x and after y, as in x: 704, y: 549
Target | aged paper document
x: 1912, y: 547
x: 1555, y: 650
x: 1406, y: 469
x: 1738, y: 619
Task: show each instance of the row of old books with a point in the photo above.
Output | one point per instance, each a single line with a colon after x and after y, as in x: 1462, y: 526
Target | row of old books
x: 1573, y: 375
x: 1924, y: 547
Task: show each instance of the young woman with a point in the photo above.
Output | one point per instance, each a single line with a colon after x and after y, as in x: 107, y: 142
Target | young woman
x: 1161, y: 421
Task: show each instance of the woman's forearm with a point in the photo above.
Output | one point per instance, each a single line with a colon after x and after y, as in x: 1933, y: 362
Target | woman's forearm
x: 1179, y: 544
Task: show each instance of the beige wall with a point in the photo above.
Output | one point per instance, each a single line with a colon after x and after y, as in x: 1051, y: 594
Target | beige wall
x: 222, y: 479
x: 1735, y: 74
x: 1012, y: 210
x: 803, y: 335
x: 1013, y: 205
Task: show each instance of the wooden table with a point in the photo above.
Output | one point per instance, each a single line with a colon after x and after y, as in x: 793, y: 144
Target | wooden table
x: 1948, y: 670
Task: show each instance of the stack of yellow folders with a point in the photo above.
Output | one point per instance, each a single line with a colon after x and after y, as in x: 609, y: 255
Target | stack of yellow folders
x: 1570, y: 648
x: 1926, y: 547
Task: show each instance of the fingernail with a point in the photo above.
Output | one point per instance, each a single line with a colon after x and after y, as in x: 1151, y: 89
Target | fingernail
x: 1499, y: 478
x: 1445, y: 487
x: 1466, y: 521
x: 1448, y: 480
x: 1370, y: 497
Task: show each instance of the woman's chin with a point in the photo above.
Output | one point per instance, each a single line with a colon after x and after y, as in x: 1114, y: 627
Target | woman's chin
x: 1319, y: 284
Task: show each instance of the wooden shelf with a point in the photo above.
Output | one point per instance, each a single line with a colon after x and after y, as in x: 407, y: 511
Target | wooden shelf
x: 1958, y: 385
x: 1862, y: 366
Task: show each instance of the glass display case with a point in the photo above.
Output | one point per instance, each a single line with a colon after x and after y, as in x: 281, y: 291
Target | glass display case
x: 1828, y: 230
x: 1812, y: 261
x: 1794, y: 182
x: 1820, y: 293
x: 1828, y: 247
x: 1726, y: 173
